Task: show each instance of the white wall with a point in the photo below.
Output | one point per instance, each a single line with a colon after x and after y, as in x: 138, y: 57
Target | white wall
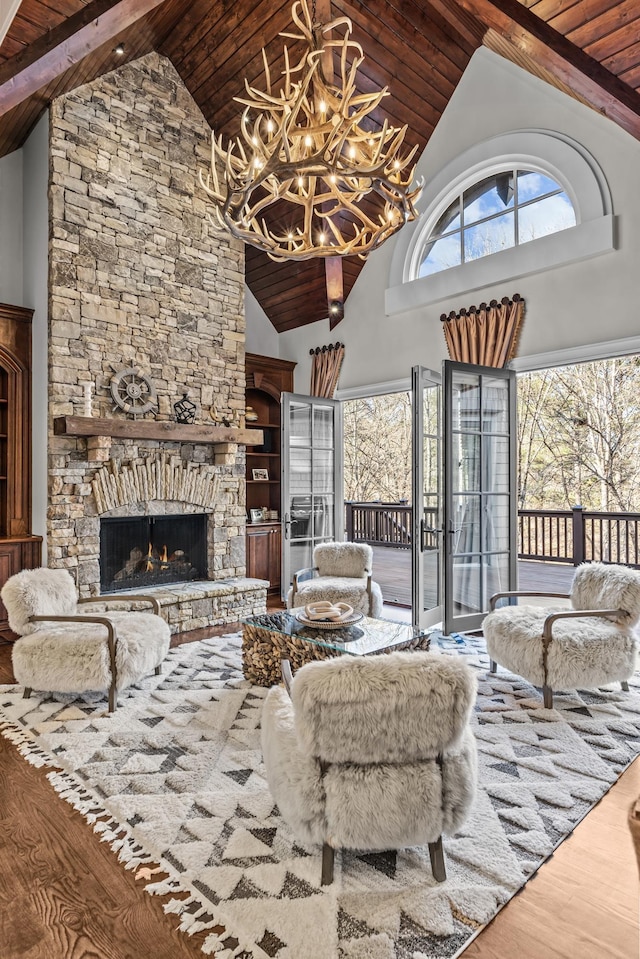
x: 35, y: 282
x: 11, y: 229
x: 262, y: 336
x: 582, y: 303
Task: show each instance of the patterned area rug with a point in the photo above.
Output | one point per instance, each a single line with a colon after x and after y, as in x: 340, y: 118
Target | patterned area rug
x: 179, y: 766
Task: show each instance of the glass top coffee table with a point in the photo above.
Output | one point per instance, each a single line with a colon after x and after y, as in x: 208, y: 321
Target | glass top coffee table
x: 272, y: 637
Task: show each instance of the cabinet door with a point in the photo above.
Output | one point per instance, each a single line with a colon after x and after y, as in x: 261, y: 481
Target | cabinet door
x: 258, y: 553
x: 264, y: 546
x: 10, y: 563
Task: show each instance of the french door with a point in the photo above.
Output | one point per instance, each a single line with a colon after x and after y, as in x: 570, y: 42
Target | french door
x: 427, y: 518
x: 311, y: 481
x: 480, y: 509
x: 464, y: 493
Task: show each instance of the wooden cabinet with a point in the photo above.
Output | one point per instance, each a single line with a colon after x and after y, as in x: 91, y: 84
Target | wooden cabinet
x: 15, y: 555
x: 19, y: 549
x: 264, y: 546
x: 267, y: 379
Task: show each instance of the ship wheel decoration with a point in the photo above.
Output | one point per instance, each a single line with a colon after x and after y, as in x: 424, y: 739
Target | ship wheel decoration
x: 132, y: 391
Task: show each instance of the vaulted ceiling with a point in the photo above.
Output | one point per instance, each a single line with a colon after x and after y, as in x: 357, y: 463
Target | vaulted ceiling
x: 588, y: 48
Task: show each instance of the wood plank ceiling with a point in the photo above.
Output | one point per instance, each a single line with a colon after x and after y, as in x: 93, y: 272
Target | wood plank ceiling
x: 588, y: 48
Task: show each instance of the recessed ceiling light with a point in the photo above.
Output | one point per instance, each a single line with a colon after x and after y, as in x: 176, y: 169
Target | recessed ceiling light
x: 119, y: 49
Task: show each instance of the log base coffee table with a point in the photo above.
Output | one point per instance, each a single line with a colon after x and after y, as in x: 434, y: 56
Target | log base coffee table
x: 272, y: 637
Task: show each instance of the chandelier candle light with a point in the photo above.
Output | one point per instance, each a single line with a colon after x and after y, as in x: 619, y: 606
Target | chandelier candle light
x: 312, y: 144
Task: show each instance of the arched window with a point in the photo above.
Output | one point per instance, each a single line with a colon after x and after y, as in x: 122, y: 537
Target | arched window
x: 533, y: 199
x: 497, y: 212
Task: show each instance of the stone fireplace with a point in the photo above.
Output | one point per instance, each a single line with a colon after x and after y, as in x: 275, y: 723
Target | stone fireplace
x: 138, y: 279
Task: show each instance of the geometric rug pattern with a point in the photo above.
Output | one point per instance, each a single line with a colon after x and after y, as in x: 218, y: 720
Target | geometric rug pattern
x: 175, y: 777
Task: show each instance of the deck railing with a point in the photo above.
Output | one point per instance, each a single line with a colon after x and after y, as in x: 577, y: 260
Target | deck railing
x: 380, y: 524
x: 559, y: 536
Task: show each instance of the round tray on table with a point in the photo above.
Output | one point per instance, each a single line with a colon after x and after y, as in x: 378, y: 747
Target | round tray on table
x: 329, y: 624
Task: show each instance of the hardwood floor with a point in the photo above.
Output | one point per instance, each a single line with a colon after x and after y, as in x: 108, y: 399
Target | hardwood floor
x: 63, y: 894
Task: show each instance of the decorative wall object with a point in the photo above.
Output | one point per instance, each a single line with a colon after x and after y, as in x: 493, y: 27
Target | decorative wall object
x: 485, y: 335
x: 185, y: 410
x: 133, y: 391
x: 156, y: 477
x: 87, y: 389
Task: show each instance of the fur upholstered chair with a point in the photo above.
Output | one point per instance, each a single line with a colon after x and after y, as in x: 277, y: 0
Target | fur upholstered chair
x: 341, y: 573
x: 373, y: 753
x: 593, y: 643
x: 60, y: 649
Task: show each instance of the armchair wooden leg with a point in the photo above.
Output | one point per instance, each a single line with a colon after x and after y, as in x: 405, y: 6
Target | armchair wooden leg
x: 27, y: 692
x: 436, y: 855
x: 158, y: 670
x: 493, y: 666
x: 113, y: 702
x: 625, y: 686
x: 547, y: 696
x: 327, y: 865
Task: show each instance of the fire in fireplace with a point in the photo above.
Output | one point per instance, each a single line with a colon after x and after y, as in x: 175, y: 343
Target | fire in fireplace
x: 142, y: 551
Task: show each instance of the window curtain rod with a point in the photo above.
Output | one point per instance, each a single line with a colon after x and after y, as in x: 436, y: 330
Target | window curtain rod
x: 485, y: 335
x: 325, y: 369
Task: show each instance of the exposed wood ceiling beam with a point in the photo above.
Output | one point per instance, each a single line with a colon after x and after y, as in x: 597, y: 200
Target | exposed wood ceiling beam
x: 60, y: 48
x: 7, y: 13
x: 467, y: 26
x: 532, y: 36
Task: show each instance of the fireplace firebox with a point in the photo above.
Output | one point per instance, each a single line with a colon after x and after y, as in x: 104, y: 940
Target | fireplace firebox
x: 142, y: 551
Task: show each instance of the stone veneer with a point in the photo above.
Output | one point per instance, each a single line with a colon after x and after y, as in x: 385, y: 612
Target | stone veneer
x: 137, y: 277
x: 187, y: 606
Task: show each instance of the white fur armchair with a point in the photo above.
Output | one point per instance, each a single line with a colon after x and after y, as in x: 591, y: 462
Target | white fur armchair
x: 373, y: 753
x: 593, y: 643
x: 341, y: 573
x: 63, y: 650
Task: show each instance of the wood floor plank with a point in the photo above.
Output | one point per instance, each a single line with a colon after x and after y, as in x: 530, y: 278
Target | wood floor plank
x: 63, y: 894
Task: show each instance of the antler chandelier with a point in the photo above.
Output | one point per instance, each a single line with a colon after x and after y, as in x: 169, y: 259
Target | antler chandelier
x: 293, y: 183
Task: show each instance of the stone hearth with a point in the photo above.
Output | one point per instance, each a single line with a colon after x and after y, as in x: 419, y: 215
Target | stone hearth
x: 188, y: 606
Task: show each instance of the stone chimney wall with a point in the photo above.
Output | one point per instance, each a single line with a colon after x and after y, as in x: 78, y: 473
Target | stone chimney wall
x: 138, y: 278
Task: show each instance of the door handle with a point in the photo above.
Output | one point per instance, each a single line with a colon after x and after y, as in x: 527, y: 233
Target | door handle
x: 287, y: 525
x: 424, y: 530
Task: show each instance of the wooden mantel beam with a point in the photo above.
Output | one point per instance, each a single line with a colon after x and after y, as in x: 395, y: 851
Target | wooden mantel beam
x: 167, y: 430
x: 58, y: 49
x: 532, y: 36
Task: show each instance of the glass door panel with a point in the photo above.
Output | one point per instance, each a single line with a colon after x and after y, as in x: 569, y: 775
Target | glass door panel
x: 427, y: 499
x: 312, y: 495
x: 480, y: 487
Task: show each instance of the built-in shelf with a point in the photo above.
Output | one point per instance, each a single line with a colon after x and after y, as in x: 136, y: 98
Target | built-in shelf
x: 154, y: 430
x: 267, y: 379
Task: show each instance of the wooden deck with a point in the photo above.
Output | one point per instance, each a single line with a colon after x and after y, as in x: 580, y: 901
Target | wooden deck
x: 392, y: 570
